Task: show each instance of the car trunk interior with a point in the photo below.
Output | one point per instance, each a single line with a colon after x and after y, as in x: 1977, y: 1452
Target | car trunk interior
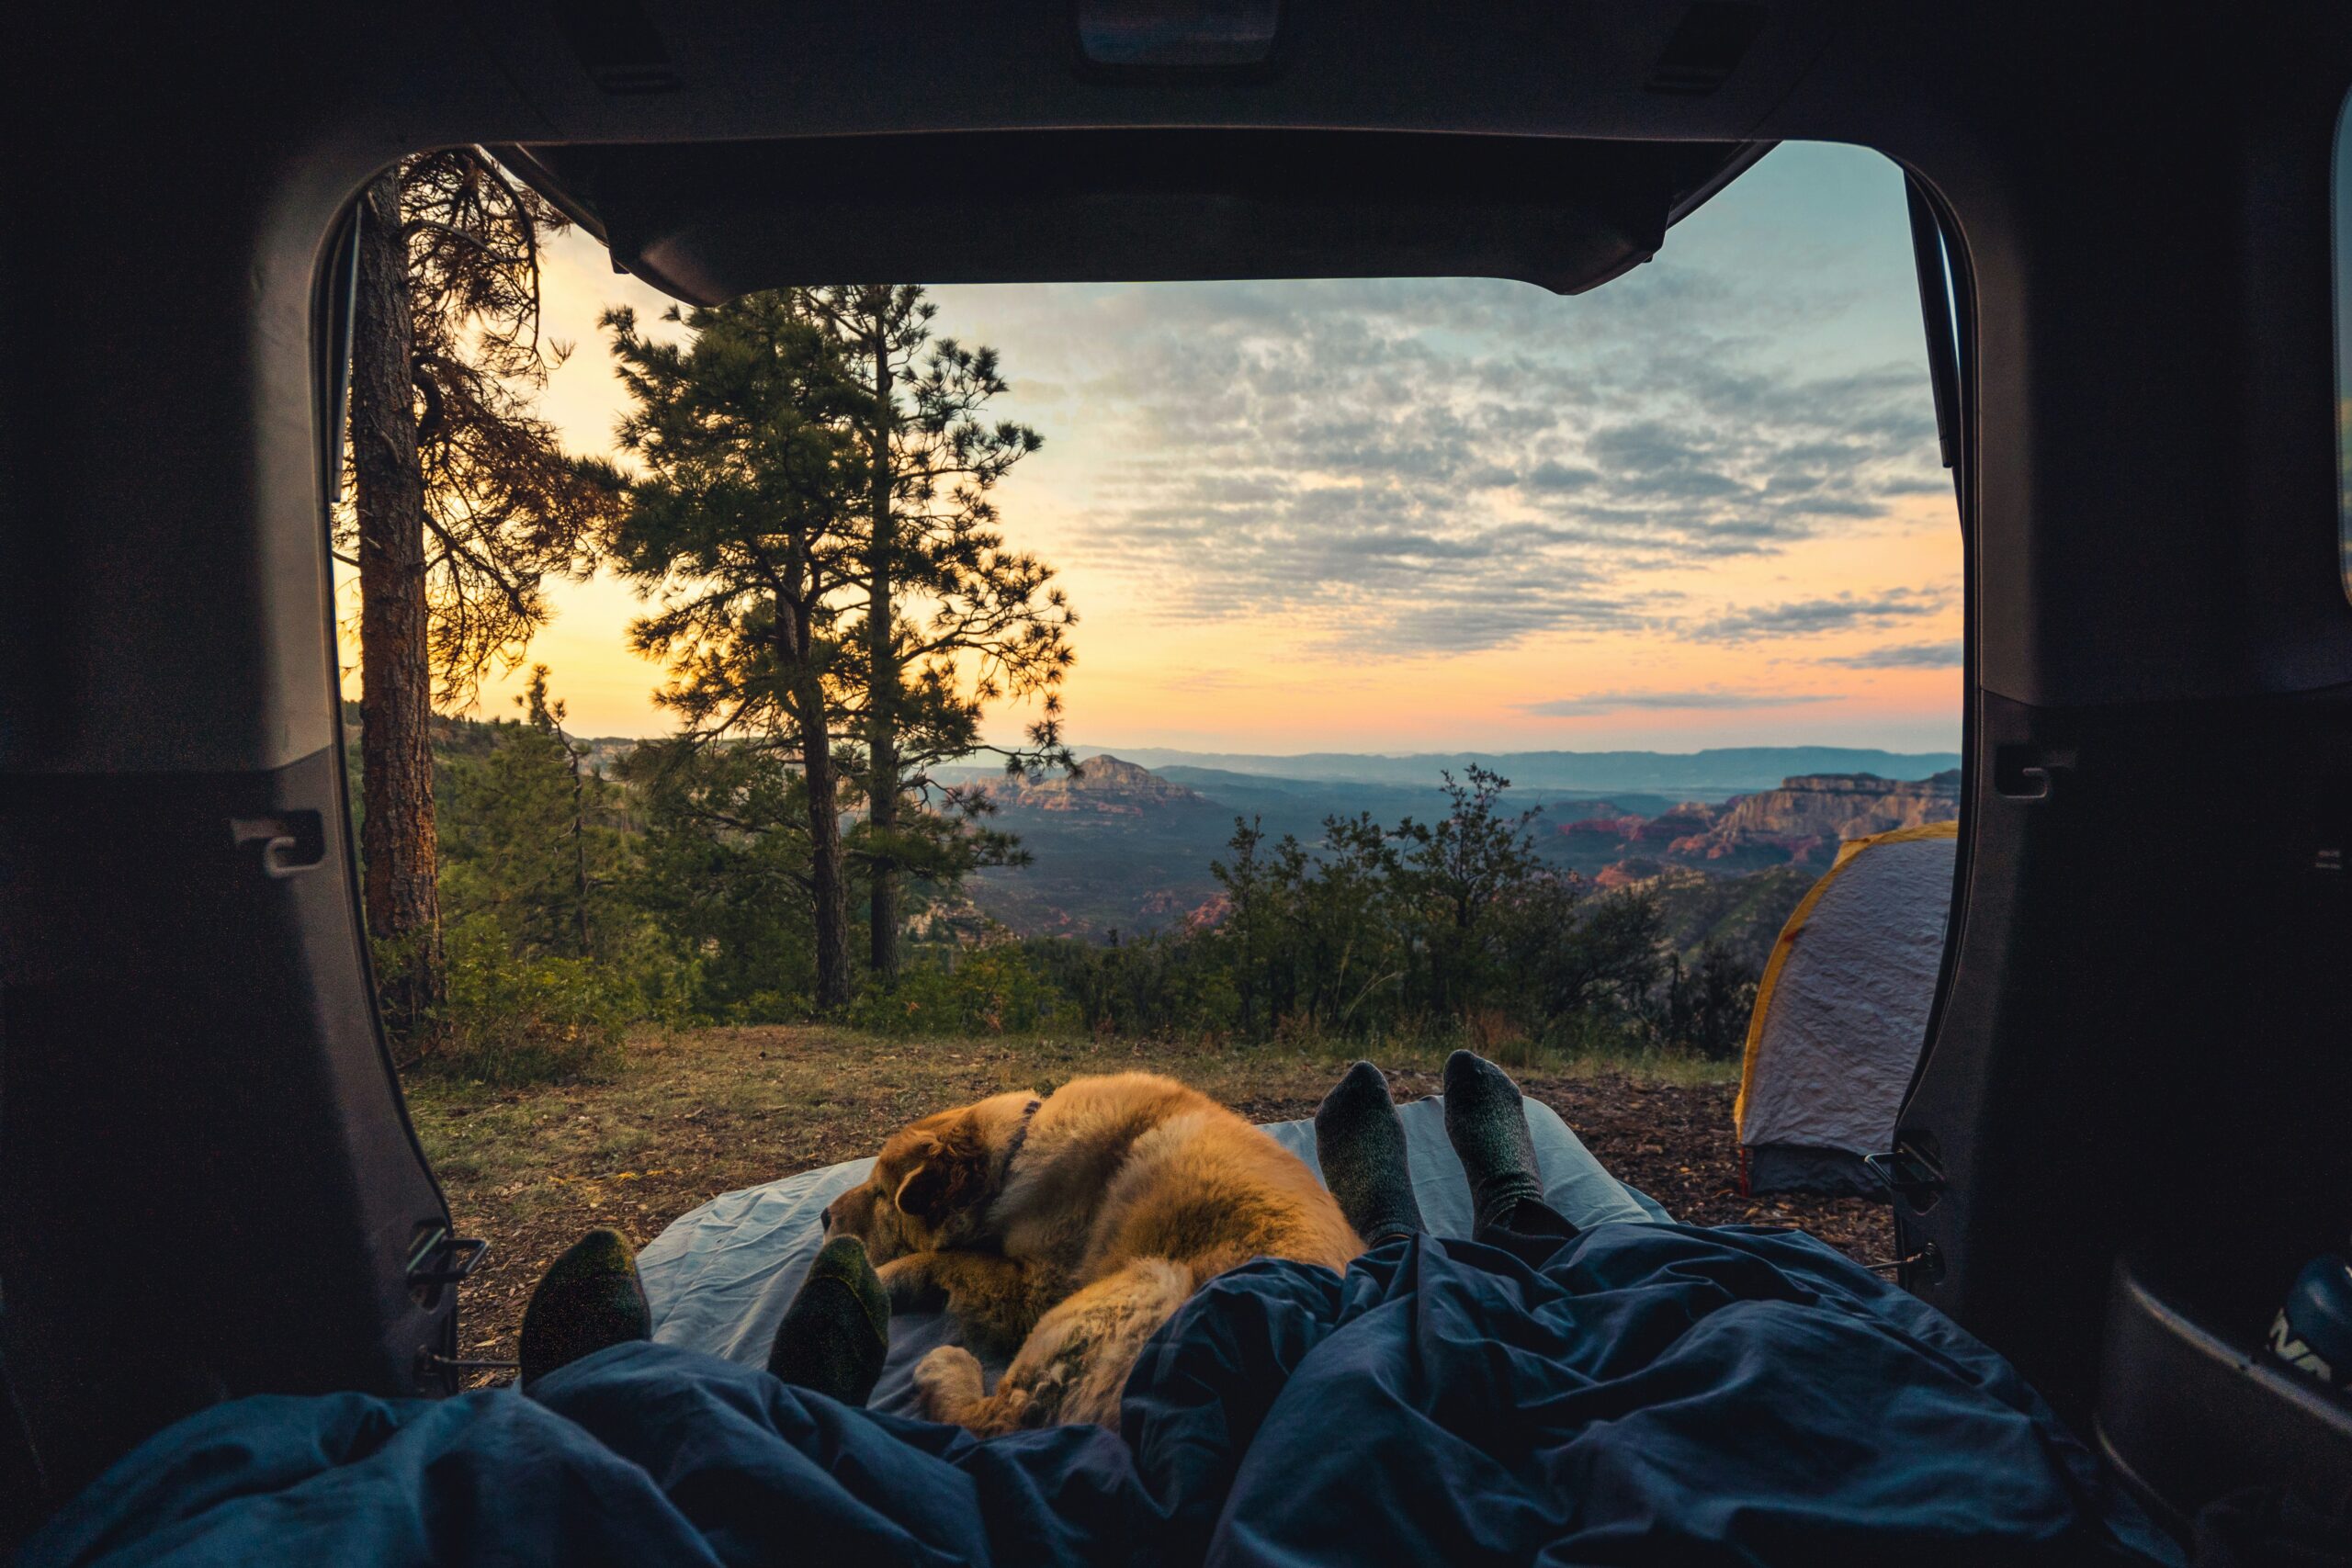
x: 2125, y: 1135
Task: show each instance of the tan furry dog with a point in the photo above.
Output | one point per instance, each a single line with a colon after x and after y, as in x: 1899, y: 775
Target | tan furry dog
x: 1063, y: 1231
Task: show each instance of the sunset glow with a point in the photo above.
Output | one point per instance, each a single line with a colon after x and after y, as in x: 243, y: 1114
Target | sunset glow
x: 1699, y: 506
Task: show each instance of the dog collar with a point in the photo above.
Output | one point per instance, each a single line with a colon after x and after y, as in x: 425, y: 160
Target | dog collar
x: 1020, y: 1136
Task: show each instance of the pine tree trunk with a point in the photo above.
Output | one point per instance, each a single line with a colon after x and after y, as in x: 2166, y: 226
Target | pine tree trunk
x: 579, y: 840
x: 827, y: 885
x: 397, y: 846
x: 882, y: 784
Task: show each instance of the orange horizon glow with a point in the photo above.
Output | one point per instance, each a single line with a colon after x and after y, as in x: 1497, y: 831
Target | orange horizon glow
x: 1151, y: 673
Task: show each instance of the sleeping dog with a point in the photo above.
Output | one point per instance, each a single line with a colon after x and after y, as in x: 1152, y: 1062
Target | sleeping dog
x: 1063, y: 1231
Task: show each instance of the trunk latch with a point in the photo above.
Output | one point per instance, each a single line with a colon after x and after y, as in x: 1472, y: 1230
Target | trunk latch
x: 439, y: 1259
x: 1909, y: 1172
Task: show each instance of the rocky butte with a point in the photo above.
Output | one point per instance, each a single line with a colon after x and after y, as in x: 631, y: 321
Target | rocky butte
x: 1104, y: 786
x: 1802, y: 823
x: 1843, y: 806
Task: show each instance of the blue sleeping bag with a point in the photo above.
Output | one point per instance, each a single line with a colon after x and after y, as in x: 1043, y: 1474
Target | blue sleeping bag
x: 1645, y: 1394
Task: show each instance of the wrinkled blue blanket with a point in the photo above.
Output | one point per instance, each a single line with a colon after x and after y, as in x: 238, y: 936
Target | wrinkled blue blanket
x: 1650, y: 1394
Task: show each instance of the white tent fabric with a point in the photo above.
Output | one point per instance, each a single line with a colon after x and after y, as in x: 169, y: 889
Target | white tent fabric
x: 1842, y: 1012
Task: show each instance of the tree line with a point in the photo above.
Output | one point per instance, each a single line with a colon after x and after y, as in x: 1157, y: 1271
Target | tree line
x: 1421, y: 930
x: 668, y: 885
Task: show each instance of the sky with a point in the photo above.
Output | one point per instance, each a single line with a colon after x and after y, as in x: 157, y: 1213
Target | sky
x: 1698, y: 506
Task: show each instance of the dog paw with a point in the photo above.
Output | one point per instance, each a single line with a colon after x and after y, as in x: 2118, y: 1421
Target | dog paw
x: 910, y: 1282
x: 947, y: 1383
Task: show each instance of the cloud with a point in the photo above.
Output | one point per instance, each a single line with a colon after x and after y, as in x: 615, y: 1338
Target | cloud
x: 1551, y: 474
x: 1399, y: 466
x: 1811, y: 617
x: 1904, y: 656
x: 1714, y: 699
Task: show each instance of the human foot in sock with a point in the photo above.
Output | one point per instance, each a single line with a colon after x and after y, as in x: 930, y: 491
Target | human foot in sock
x: 1487, y: 1125
x: 836, y: 1333
x: 589, y: 1299
x: 1360, y: 1145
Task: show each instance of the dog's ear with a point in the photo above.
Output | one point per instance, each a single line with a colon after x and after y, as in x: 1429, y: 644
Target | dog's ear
x: 953, y: 1170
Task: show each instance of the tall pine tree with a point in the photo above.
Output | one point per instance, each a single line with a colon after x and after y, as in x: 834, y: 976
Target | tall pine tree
x: 463, y: 504
x: 952, y: 620
x: 744, y: 528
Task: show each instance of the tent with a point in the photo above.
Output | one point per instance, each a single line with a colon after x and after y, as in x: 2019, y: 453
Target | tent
x: 1842, y: 1014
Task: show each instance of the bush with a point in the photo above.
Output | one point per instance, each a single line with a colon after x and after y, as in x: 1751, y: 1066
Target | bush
x: 1496, y: 1035
x: 769, y: 1007
x: 661, y: 984
x: 1704, y: 1009
x: 509, y: 1019
x: 988, y: 990
x: 1601, y: 1037
x: 1151, y: 985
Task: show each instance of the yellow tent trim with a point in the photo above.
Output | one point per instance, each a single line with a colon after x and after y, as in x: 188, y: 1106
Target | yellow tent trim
x: 1787, y: 939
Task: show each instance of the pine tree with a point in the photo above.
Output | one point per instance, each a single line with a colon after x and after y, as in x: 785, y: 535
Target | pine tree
x: 531, y: 841
x: 464, y: 503
x: 1465, y: 869
x: 952, y: 620
x: 724, y: 873
x: 745, y: 529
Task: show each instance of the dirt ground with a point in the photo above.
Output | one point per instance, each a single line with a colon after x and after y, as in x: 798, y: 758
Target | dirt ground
x: 696, y: 1114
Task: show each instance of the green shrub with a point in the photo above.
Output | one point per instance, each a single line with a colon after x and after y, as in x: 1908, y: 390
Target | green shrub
x: 661, y: 984
x: 1497, y: 1035
x: 988, y: 990
x: 1147, y: 987
x: 509, y: 1019
x: 769, y: 1007
x: 1704, y: 1009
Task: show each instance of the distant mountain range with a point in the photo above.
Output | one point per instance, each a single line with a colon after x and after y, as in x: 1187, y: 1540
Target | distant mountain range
x: 1124, y: 848
x: 1726, y: 839
x: 1717, y: 770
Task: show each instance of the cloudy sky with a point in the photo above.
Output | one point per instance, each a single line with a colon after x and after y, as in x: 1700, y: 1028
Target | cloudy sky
x: 1699, y: 506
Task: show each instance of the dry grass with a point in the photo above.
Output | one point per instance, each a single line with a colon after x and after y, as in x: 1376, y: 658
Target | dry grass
x: 688, y: 1116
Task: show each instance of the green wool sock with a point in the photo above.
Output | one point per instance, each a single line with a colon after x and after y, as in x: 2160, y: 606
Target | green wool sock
x: 589, y: 1299
x: 836, y: 1333
x: 1487, y: 1123
x: 1360, y: 1146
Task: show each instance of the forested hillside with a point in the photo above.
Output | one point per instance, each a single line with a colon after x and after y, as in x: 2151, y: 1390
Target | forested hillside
x: 1123, y: 850
x: 589, y: 884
